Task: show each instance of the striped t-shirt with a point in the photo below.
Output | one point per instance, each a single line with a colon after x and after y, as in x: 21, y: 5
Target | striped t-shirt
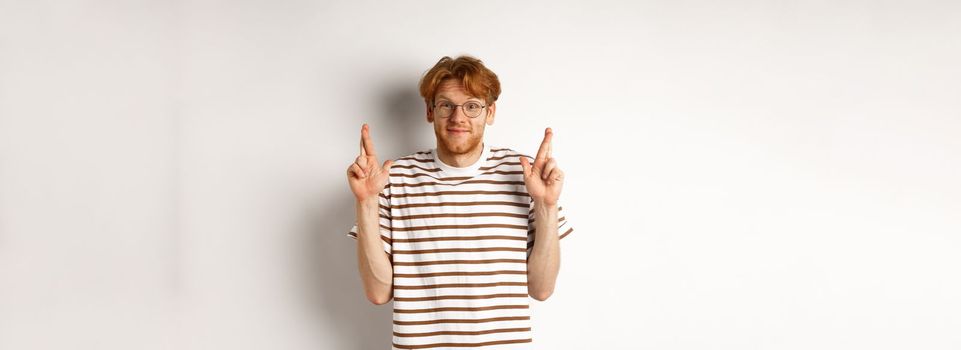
x: 459, y: 239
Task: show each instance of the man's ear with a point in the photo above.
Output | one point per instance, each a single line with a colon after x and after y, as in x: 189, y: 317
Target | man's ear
x: 490, y: 115
x: 430, y: 114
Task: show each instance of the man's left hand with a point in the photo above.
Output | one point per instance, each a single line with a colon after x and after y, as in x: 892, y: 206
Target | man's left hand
x: 543, y: 179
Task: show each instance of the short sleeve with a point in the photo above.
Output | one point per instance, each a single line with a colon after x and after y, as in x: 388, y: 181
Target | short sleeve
x: 564, y: 227
x: 384, y: 219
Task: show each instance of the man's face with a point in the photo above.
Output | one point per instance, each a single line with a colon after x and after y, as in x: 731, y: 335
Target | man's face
x: 458, y: 134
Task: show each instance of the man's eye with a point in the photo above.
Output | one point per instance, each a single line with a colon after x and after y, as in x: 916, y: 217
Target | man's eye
x: 473, y: 106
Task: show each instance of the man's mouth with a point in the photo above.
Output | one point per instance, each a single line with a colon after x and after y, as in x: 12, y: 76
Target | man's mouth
x: 457, y: 131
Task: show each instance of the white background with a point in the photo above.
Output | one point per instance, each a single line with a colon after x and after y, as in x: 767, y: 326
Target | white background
x: 742, y: 174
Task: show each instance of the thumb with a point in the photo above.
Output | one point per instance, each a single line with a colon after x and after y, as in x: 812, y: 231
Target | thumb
x: 526, y: 165
x: 387, y: 164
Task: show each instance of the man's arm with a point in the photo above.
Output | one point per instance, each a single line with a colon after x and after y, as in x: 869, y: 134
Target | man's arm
x: 544, y: 181
x: 376, y: 270
x: 367, y: 179
x: 544, y: 262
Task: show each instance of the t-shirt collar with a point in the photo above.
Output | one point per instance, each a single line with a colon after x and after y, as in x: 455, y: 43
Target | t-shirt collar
x: 469, y: 170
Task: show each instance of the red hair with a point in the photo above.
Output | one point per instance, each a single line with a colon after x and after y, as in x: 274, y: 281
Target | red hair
x: 479, y: 81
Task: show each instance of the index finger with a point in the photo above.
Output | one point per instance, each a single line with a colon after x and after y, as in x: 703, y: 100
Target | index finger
x: 545, y: 150
x: 366, y: 145
x: 363, y: 152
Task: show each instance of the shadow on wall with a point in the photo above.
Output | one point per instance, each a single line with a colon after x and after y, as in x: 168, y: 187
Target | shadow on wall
x: 333, y: 288
x: 405, y: 125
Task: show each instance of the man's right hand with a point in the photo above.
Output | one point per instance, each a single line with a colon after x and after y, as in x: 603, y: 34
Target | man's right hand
x: 367, y: 178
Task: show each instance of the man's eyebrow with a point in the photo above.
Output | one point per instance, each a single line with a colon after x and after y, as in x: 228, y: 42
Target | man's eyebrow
x: 448, y: 98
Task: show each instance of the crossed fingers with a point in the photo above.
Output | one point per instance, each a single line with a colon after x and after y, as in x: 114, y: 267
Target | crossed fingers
x: 367, y: 157
x: 549, y: 171
x: 544, y: 165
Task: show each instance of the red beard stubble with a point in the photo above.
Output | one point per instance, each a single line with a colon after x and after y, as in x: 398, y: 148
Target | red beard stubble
x: 459, y: 144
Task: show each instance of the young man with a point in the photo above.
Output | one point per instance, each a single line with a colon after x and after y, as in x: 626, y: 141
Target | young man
x: 460, y: 235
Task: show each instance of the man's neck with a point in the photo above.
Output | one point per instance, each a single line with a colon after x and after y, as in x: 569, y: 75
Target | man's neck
x: 460, y: 160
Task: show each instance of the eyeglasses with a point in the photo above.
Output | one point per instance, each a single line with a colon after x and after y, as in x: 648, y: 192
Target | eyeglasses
x: 446, y: 109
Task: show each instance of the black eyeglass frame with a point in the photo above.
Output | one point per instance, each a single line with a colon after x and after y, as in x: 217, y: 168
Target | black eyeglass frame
x: 433, y: 107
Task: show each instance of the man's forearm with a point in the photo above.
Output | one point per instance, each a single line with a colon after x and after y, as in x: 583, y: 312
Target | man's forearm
x: 376, y: 271
x: 544, y: 263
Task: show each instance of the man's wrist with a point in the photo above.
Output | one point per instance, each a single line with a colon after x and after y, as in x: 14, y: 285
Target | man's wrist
x: 367, y: 205
x: 540, y: 203
x: 545, y: 211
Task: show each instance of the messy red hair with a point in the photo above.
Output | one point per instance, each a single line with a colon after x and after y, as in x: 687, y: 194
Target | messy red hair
x: 479, y: 81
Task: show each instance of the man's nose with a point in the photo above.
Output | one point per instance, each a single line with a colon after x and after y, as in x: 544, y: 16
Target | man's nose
x: 458, y: 113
